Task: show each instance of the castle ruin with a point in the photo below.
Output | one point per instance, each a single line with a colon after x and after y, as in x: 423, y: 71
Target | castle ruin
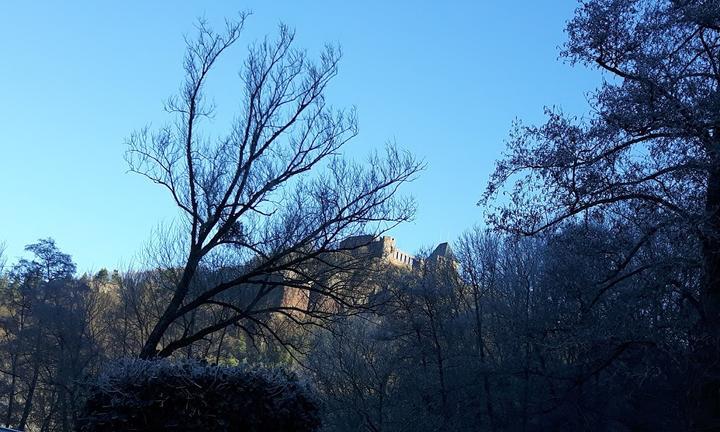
x: 369, y: 249
x: 385, y: 249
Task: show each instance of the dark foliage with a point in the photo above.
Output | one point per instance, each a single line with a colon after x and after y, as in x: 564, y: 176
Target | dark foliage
x: 159, y: 395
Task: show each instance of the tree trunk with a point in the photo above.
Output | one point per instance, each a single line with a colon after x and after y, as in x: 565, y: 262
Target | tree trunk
x: 220, y: 345
x: 705, y: 394
x: 65, y: 411
x: 440, y: 362
x: 150, y: 348
x: 12, y: 391
x: 526, y: 365
x: 29, y: 398
x: 481, y: 354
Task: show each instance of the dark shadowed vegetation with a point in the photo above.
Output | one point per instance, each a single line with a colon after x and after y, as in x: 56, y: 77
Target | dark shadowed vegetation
x: 156, y: 395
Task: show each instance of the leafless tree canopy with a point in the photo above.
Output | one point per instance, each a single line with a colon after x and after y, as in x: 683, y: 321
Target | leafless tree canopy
x: 273, y: 190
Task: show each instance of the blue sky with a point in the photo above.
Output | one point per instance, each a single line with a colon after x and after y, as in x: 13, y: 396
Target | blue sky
x: 444, y: 79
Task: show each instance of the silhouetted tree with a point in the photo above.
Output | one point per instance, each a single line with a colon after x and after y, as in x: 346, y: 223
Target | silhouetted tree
x: 49, y: 263
x: 26, y: 326
x: 48, y: 342
x: 478, y: 256
x: 649, y: 156
x: 271, y: 195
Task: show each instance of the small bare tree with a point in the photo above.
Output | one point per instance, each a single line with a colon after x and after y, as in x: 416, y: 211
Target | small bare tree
x: 3, y: 257
x: 270, y: 197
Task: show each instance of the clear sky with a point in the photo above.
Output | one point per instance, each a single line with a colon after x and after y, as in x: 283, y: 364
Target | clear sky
x: 444, y: 79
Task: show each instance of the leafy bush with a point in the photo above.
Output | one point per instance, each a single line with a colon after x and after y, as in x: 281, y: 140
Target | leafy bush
x: 140, y: 395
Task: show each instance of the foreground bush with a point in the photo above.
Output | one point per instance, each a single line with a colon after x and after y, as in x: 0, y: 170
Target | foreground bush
x: 139, y: 395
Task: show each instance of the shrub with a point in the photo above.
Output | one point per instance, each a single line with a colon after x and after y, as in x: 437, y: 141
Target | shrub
x: 159, y: 395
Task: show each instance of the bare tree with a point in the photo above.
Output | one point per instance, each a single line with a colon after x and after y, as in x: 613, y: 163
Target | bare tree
x: 478, y: 253
x: 272, y: 195
x: 3, y: 257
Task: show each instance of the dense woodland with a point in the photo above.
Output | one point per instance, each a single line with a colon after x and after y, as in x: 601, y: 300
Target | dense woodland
x: 589, y: 300
x: 520, y: 334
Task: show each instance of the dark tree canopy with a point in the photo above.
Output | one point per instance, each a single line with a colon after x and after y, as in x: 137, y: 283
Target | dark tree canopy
x: 648, y: 157
x: 651, y: 141
x: 49, y: 262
